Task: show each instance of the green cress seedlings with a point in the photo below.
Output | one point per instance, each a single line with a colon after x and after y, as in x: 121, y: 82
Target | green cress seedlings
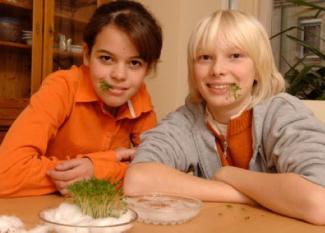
x: 104, y: 86
x: 98, y: 198
x: 233, y: 91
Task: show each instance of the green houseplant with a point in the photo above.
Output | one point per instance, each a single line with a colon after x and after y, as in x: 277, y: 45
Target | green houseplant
x: 304, y: 79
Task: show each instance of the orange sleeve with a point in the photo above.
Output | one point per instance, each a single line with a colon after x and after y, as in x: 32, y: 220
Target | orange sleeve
x: 23, y: 163
x: 106, y: 166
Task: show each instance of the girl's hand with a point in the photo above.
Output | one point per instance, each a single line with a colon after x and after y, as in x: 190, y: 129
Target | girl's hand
x: 124, y: 154
x: 70, y: 171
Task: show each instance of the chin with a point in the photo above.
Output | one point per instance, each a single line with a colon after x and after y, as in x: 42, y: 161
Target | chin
x: 115, y: 104
x: 114, y: 101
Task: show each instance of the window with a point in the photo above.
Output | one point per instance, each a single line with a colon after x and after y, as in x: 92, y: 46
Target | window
x: 310, y: 35
x: 287, y: 15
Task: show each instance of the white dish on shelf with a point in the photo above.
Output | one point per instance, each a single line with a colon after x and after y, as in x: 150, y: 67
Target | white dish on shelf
x: 75, y: 48
x: 164, y: 208
x: 26, y: 33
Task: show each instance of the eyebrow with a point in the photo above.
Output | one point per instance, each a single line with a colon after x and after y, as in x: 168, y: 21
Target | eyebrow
x: 112, y: 54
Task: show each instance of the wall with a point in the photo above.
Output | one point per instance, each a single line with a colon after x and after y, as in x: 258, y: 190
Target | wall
x: 168, y: 87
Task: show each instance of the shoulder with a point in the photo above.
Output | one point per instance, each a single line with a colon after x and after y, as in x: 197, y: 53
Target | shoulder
x: 58, y: 90
x: 186, y: 115
x: 179, y: 122
x: 281, y: 105
x: 287, y: 100
x: 63, y: 79
x: 285, y: 112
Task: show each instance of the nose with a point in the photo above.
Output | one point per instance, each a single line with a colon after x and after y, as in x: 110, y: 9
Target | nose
x: 119, y: 72
x: 219, y: 67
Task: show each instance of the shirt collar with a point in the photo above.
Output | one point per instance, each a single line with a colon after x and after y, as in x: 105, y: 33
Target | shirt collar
x: 138, y: 104
x: 221, y: 128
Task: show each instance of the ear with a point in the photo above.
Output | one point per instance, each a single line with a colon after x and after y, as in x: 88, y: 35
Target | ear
x: 86, y: 55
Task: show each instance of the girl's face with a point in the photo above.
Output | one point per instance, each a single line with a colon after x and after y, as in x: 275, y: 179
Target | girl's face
x: 224, y: 78
x: 115, y: 61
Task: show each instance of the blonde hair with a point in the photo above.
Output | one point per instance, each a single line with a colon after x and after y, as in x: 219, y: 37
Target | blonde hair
x: 246, y: 33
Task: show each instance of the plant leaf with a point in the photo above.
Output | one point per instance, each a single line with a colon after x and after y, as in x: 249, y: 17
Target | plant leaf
x: 309, y: 4
x: 286, y: 30
x: 104, y: 86
x: 310, y: 47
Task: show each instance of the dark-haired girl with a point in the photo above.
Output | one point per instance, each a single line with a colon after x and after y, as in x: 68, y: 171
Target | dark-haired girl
x: 84, y: 121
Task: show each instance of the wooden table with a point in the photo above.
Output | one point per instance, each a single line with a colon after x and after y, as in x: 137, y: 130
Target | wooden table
x: 214, y: 217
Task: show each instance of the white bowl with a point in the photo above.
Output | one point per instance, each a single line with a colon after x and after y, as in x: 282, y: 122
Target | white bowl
x: 164, y: 209
x: 83, y: 223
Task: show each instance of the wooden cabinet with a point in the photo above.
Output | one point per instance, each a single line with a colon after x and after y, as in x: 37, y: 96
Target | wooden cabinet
x: 63, y: 31
x: 36, y: 38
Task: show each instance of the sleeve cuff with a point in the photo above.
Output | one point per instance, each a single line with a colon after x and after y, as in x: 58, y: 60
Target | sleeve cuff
x: 106, y: 166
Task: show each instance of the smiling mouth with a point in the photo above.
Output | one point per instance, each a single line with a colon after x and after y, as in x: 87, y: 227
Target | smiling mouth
x: 232, y: 89
x: 115, y: 91
x: 104, y: 86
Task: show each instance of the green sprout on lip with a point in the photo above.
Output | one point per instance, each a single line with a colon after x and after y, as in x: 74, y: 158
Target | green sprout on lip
x: 104, y: 86
x: 233, y: 91
x: 98, y: 198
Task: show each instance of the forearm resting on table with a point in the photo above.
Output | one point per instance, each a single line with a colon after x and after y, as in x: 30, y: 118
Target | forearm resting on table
x: 286, y: 193
x: 155, y: 177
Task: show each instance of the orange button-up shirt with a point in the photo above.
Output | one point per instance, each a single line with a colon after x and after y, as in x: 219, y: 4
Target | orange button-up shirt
x: 65, y: 119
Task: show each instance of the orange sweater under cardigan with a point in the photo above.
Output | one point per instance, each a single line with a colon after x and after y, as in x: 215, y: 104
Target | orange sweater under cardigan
x: 238, y: 143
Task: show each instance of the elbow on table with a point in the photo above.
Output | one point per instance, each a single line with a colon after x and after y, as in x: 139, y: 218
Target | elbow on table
x: 133, y: 181
x: 317, y: 216
x: 315, y: 212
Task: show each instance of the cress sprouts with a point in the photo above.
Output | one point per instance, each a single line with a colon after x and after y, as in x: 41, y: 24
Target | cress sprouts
x: 233, y: 91
x: 98, y: 198
x: 104, y: 86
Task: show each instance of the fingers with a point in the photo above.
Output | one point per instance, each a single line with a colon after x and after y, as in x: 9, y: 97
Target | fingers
x: 124, y: 154
x: 62, y: 175
x: 70, y: 172
x: 62, y: 186
x: 72, y: 169
x: 64, y: 192
x: 68, y: 164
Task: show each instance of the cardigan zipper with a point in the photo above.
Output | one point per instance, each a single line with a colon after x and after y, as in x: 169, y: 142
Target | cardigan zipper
x: 225, y: 148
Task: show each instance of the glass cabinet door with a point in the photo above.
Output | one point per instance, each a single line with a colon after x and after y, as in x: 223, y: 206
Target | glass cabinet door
x: 20, y: 56
x: 64, y: 31
x: 16, y: 48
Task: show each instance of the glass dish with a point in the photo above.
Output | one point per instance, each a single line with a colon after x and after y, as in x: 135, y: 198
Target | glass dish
x: 164, y: 209
x: 48, y: 216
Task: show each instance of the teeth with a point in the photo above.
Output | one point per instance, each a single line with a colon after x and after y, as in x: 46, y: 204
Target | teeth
x: 218, y: 86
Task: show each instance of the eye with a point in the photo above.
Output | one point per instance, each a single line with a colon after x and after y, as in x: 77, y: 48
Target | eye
x: 105, y: 58
x: 134, y: 64
x: 204, y: 58
x: 235, y: 55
